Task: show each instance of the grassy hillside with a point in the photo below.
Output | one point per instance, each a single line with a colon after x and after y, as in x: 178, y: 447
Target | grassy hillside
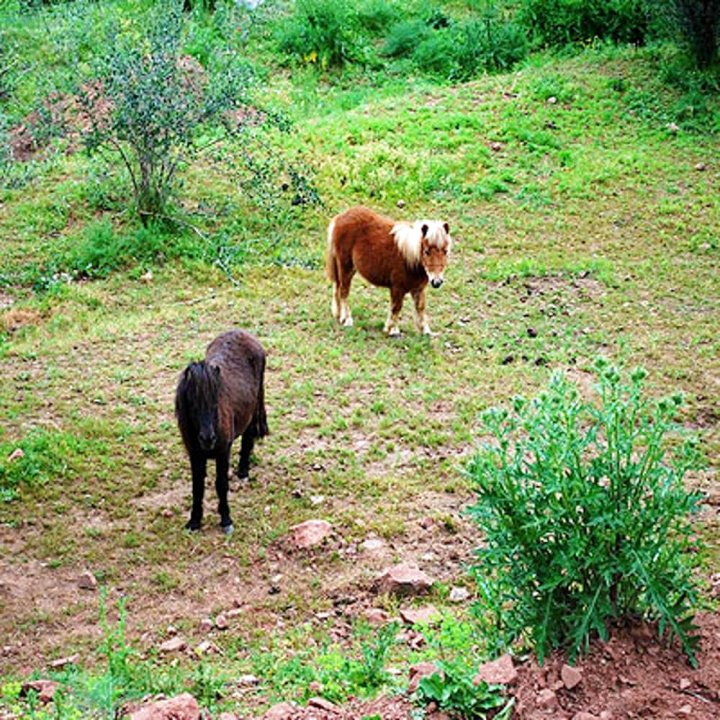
x: 586, y: 224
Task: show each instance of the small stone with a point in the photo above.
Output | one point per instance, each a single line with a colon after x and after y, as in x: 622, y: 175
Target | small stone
x: 700, y: 166
x: 175, y: 644
x: 63, y: 661
x: 87, y: 581
x: 376, y: 616
x: 403, y: 580
x: 552, y: 100
x: 685, y: 683
x: 400, y: 204
x: 221, y: 622
x: 281, y: 711
x: 532, y: 332
x: 497, y: 672
x: 419, y: 671
x: 584, y: 716
x: 496, y: 146
x: 672, y: 128
x: 147, y: 277
x: 16, y: 454
x: 323, y: 704
x: 458, y: 595
x: 420, y: 616
x: 571, y: 676
x: 310, y: 533
x: 45, y: 689
x: 182, y: 707
x: 206, y: 648
x: 685, y: 710
x: 206, y: 625
x: 372, y: 545
x: 546, y: 699
x: 316, y: 500
x: 248, y: 680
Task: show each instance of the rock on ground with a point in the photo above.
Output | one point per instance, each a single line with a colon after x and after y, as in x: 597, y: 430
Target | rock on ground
x: 497, y: 672
x: 403, y: 580
x: 310, y: 533
x: 182, y: 707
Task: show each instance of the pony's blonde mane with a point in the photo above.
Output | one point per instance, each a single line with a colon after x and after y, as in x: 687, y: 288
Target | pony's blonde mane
x: 408, y: 238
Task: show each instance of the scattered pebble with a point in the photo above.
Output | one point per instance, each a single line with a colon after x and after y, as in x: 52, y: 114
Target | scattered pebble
x: 458, y: 595
x: 87, y: 581
x: 571, y: 676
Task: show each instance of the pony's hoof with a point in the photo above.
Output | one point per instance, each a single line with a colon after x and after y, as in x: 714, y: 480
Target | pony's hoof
x: 228, y: 529
x: 243, y: 478
x: 347, y: 322
x: 193, y: 526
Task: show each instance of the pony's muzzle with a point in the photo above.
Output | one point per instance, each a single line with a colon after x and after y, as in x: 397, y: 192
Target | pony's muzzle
x: 207, y: 441
x: 436, y: 282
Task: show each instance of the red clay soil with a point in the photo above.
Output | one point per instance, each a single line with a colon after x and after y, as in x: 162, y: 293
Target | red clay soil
x: 630, y: 676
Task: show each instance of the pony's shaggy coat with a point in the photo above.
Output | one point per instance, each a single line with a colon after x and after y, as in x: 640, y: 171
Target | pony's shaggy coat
x: 400, y: 256
x: 216, y: 401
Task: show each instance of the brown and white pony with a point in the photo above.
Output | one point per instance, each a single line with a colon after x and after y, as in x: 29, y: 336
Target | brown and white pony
x: 400, y: 256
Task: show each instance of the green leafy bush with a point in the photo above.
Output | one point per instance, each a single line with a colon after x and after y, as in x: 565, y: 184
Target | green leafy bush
x: 460, y: 51
x: 403, y: 37
x: 697, y: 22
x: 156, y: 109
x: 585, y: 515
x: 453, y: 690
x: 558, y: 22
x: 326, y: 32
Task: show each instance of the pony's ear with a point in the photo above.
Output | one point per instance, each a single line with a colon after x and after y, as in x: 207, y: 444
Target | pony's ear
x: 424, y: 229
x: 447, y: 227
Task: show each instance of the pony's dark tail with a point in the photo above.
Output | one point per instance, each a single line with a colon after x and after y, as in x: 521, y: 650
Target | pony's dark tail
x: 260, y: 419
x: 330, y: 263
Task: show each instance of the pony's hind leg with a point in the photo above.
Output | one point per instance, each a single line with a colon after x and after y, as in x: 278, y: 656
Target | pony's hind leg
x: 222, y: 464
x: 345, y: 278
x: 336, y: 302
x: 198, y: 464
x: 421, y: 318
x: 246, y: 448
x: 392, y: 326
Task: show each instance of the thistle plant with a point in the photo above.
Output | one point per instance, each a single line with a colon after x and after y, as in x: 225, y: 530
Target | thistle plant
x: 586, y: 517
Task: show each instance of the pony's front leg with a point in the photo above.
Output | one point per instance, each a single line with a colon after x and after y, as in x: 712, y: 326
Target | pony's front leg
x: 248, y: 441
x: 421, y: 319
x: 198, y: 463
x: 222, y: 465
x: 392, y: 326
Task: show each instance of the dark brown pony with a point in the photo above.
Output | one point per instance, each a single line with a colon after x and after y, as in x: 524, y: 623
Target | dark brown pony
x: 217, y: 400
x: 400, y: 256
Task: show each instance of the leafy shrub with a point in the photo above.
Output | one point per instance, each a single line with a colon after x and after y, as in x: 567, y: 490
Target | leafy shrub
x: 585, y: 515
x: 461, y: 51
x: 325, y: 32
x: 377, y: 15
x: 453, y: 690
x: 558, y: 22
x: 698, y: 23
x: 404, y: 37
x: 150, y: 103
